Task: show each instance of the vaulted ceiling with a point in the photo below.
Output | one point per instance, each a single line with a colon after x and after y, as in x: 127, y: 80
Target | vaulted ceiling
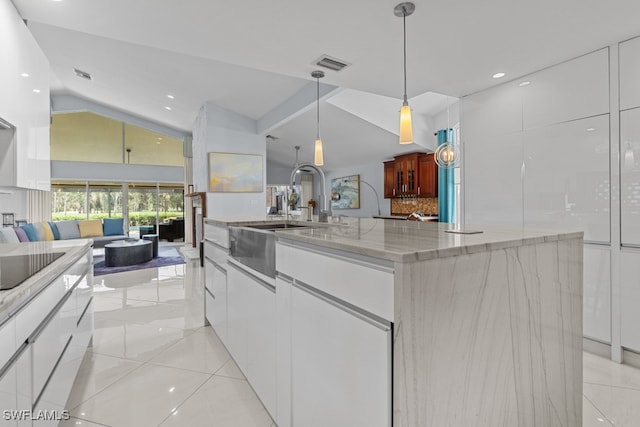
x: 252, y: 56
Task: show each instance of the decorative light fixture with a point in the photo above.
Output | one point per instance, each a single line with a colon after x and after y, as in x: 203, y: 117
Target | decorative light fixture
x: 406, y: 131
x: 447, y: 155
x: 318, y: 159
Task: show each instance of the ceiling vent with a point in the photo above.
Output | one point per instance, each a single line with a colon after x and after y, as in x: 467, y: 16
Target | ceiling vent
x: 331, y: 63
x: 82, y: 74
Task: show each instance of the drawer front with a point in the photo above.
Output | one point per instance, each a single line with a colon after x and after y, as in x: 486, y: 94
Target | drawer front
x: 49, y: 344
x: 84, y: 292
x: 8, y: 340
x: 216, y: 253
x: 354, y: 280
x: 30, y: 316
x: 216, y: 234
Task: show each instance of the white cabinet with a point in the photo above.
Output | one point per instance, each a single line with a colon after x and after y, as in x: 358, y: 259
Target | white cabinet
x: 341, y: 363
x: 493, y: 179
x: 630, y: 297
x: 566, y: 177
x: 8, y: 398
x: 283, y: 346
x: 630, y: 176
x: 237, y: 316
x: 571, y: 90
x: 493, y: 112
x: 334, y: 320
x: 24, y: 102
x: 261, y: 341
x: 597, y: 293
x: 629, y: 72
x: 216, y: 298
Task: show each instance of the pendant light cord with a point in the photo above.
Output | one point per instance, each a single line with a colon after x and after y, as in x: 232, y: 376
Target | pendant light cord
x: 318, y: 106
x: 404, y: 29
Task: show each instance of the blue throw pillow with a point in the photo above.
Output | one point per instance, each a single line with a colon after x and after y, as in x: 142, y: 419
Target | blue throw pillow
x: 31, y: 232
x: 54, y: 230
x: 113, y: 226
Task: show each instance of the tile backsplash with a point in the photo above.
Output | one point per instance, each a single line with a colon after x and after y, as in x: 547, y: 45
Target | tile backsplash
x: 409, y: 205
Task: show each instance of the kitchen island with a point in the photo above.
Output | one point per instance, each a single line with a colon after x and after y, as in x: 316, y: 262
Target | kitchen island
x: 384, y: 322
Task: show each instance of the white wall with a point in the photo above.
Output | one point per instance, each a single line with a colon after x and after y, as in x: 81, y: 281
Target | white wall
x: 15, y: 202
x: 374, y: 175
x: 94, y: 171
x: 217, y: 129
x: 278, y: 174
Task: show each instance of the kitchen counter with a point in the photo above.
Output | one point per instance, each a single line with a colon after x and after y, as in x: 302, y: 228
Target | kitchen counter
x: 407, y: 241
x: 12, y: 299
x: 478, y: 329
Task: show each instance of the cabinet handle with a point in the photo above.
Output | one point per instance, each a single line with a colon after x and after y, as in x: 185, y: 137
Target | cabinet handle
x: 210, y: 293
x: 348, y: 308
x: 394, y: 191
x: 418, y: 191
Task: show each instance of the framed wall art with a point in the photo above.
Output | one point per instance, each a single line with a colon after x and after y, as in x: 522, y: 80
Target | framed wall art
x: 235, y: 173
x: 345, y: 192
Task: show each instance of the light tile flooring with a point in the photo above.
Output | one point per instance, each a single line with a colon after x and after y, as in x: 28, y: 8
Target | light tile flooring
x: 153, y: 363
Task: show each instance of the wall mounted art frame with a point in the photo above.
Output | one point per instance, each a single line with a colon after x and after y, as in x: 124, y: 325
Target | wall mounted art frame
x: 345, y: 192
x: 235, y: 173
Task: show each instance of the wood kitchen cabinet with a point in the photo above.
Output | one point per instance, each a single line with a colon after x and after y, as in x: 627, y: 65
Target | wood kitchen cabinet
x: 427, y: 176
x: 389, y: 179
x: 411, y: 175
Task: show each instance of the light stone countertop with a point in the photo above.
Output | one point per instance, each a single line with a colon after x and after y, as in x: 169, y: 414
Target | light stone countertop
x: 12, y: 300
x: 402, y: 241
x: 408, y: 241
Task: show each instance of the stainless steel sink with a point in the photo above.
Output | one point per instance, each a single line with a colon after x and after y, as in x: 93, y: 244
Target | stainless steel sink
x: 278, y: 226
x: 254, y: 245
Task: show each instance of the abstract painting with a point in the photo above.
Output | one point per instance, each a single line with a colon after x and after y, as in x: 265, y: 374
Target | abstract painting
x: 345, y: 192
x: 235, y: 173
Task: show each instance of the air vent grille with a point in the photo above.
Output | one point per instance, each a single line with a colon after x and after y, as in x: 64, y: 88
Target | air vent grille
x: 82, y: 74
x: 331, y: 63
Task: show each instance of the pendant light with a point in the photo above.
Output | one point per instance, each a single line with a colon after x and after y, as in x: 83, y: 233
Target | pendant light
x: 447, y: 154
x: 318, y: 158
x: 406, y: 131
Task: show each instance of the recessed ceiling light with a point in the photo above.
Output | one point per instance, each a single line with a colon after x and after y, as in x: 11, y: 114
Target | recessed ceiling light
x: 498, y: 75
x: 167, y: 108
x: 25, y: 74
x: 36, y: 90
x: 171, y: 97
x: 591, y: 129
x: 525, y: 84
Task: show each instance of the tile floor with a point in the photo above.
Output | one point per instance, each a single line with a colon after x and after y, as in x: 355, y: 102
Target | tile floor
x: 153, y: 363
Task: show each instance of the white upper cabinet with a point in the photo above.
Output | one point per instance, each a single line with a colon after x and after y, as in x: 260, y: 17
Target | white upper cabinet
x: 630, y: 74
x: 568, y: 91
x: 566, y: 179
x: 24, y: 101
x: 630, y: 176
x: 497, y: 111
x: 493, y: 179
x: 597, y: 293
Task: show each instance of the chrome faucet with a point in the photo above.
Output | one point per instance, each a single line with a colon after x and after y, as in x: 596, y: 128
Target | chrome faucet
x: 325, y: 211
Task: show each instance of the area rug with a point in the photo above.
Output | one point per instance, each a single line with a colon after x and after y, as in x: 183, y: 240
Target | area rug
x: 166, y: 256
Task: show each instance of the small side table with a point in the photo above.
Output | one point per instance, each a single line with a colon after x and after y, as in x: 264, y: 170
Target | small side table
x: 154, y: 240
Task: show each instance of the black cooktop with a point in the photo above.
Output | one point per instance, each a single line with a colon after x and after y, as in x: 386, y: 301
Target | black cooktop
x: 15, y: 269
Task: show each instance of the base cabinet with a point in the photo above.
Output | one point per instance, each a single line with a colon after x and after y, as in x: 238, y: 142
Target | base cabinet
x: 261, y: 341
x: 341, y: 364
x: 216, y: 298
